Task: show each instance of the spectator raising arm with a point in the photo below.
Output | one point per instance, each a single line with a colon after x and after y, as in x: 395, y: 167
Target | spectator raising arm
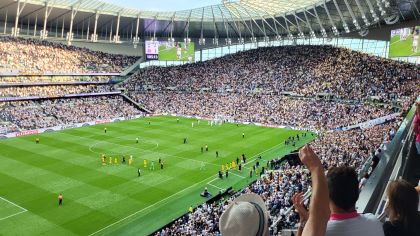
x: 319, y: 211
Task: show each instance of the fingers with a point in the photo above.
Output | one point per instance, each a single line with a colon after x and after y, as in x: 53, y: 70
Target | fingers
x: 297, y: 199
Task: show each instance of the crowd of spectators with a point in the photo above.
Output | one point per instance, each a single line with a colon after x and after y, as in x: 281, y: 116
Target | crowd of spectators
x: 353, y: 147
x: 16, y: 80
x: 52, y: 112
x: 269, y: 109
x: 32, y: 56
x: 51, y: 90
x: 305, y: 70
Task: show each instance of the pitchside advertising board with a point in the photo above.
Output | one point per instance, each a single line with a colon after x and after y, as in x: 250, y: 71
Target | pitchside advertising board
x: 169, y: 51
x: 63, y: 127
x: 404, y: 42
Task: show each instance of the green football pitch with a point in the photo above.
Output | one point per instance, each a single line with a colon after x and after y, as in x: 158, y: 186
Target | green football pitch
x: 110, y: 199
x: 170, y: 54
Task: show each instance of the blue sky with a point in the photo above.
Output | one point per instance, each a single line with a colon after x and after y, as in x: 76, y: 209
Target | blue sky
x: 163, y: 5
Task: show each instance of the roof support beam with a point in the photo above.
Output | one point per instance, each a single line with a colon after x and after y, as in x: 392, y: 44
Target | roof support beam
x: 94, y: 37
x: 186, y: 30
x: 312, y: 33
x: 372, y: 11
x: 365, y: 20
x: 333, y: 27
x: 345, y: 26
x: 228, y: 41
x: 172, y: 27
x: 323, y: 31
x: 74, y: 10
x: 252, y: 18
x: 19, y: 9
x: 244, y: 23
x: 216, y: 32
x: 355, y: 23
x: 202, y: 41
x: 236, y: 29
x: 274, y: 30
x: 301, y: 35
x: 48, y: 9
x: 117, y: 30
x: 276, y: 22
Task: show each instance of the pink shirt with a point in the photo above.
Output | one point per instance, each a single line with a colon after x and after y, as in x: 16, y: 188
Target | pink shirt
x: 417, y: 120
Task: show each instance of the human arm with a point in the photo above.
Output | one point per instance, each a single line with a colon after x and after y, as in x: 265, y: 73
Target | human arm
x: 319, y: 210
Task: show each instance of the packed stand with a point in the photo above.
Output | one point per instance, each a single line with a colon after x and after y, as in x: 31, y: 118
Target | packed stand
x: 48, y: 113
x: 269, y: 109
x: 305, y: 70
x: 32, y: 56
x: 15, y: 80
x: 51, y: 90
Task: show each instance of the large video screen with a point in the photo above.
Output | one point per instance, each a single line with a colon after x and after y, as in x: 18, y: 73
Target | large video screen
x: 404, y: 42
x: 169, y: 51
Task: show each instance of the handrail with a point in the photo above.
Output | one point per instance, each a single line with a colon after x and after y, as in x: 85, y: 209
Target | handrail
x: 307, y: 195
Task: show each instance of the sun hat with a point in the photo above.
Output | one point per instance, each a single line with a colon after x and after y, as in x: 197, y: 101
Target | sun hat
x: 246, y: 216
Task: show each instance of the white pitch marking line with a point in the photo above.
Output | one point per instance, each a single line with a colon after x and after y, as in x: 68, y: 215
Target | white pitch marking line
x: 20, y: 212
x: 14, y: 204
x: 215, y: 186
x: 237, y: 175
x: 211, y: 181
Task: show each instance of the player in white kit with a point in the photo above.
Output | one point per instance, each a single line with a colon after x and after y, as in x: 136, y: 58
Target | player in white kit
x: 415, y: 41
x: 178, y: 52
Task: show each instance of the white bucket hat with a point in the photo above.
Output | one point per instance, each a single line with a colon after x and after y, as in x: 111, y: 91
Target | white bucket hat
x: 246, y: 216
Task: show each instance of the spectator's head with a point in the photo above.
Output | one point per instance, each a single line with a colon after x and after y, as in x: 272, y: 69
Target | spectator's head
x: 403, y: 201
x: 246, y: 215
x: 343, y: 186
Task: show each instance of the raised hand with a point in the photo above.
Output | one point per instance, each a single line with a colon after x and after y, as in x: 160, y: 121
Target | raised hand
x: 309, y: 158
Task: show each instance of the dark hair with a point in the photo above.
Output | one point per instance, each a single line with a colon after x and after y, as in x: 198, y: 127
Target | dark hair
x: 403, y: 201
x: 343, y: 186
x: 366, y: 175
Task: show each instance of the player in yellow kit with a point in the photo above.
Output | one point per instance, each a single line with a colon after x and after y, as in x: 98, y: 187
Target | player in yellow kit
x: 223, y: 168
x: 115, y: 160
x: 110, y: 160
x: 130, y: 161
x: 145, y: 163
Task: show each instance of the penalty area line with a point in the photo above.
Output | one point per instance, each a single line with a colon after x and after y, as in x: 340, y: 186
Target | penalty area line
x: 23, y: 210
x: 215, y: 186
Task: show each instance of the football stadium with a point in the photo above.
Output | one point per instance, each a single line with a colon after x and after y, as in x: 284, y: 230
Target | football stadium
x: 210, y: 117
